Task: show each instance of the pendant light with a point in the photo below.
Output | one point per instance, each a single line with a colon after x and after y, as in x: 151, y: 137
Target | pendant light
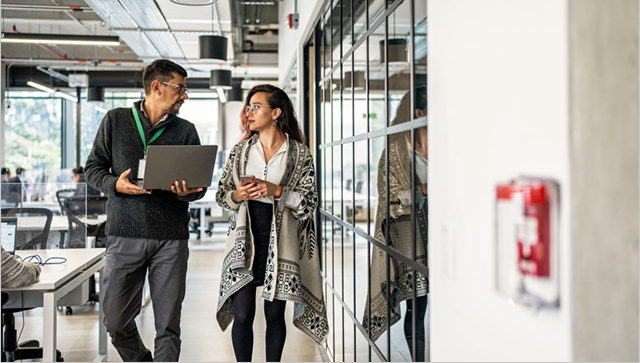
x: 220, y: 78
x: 95, y: 94
x: 213, y: 46
x: 397, y: 48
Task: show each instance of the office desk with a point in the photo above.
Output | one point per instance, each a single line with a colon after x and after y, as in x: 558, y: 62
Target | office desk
x: 56, y: 281
x: 217, y: 213
x: 58, y: 223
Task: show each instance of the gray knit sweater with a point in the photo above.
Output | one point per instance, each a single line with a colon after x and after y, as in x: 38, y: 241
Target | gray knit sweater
x: 118, y: 147
x: 16, y: 273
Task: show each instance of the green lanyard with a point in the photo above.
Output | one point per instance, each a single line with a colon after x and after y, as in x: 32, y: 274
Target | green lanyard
x: 144, y: 140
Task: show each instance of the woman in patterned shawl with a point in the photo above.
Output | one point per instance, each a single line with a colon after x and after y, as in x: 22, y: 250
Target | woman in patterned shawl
x: 271, y: 240
x: 399, y: 225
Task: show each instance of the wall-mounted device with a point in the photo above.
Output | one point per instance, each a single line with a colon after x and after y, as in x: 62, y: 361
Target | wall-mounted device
x: 527, y: 221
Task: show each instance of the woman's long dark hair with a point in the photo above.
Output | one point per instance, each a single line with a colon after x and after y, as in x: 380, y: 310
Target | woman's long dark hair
x: 277, y: 98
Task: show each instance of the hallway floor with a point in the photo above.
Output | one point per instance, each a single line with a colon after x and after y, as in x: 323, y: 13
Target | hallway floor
x: 202, y: 338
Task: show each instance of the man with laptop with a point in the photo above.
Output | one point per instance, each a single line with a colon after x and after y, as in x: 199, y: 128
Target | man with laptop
x: 146, y: 229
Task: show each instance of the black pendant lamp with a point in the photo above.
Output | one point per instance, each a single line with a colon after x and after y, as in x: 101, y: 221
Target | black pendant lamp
x: 213, y: 47
x: 220, y: 78
x: 235, y: 94
x: 95, y: 94
x: 397, y: 51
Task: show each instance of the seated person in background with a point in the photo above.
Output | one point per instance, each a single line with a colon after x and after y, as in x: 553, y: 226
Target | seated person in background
x: 6, y: 175
x: 16, y: 273
x: 77, y: 175
x: 14, y: 192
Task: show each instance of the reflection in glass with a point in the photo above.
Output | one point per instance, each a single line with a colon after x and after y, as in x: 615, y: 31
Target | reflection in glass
x: 377, y: 76
x: 398, y: 226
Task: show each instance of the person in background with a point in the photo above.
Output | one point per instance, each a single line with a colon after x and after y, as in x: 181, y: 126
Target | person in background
x: 146, y: 231
x: 16, y: 273
x: 16, y: 190
x: 77, y: 175
x: 6, y: 175
x: 271, y: 240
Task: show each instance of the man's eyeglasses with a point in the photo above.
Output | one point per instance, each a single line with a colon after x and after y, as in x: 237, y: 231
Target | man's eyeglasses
x: 253, y: 108
x: 181, y: 88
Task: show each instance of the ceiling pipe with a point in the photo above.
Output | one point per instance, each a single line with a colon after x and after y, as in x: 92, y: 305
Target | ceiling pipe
x: 17, y: 7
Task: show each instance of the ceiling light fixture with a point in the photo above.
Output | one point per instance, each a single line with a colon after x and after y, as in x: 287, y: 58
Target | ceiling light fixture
x: 66, y: 96
x: 100, y: 109
x: 398, y: 49
x: 40, y: 87
x: 220, y: 78
x: 193, y: 2
x: 213, y: 46
x: 235, y: 94
x: 59, y: 39
x: 221, y: 96
x: 95, y: 94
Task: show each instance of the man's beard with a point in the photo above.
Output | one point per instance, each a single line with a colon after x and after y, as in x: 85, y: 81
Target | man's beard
x: 174, y: 109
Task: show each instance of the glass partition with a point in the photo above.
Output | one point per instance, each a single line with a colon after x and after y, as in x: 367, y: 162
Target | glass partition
x: 50, y: 215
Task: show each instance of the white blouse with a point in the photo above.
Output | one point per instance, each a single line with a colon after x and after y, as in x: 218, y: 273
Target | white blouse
x: 272, y: 172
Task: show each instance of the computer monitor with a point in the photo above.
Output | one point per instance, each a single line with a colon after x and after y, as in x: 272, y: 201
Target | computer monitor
x: 96, y: 205
x: 9, y: 226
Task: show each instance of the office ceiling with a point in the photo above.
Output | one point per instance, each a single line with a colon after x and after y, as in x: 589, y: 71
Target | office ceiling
x: 148, y: 29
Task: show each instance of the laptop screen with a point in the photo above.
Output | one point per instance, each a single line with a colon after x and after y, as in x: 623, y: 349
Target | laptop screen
x: 9, y: 235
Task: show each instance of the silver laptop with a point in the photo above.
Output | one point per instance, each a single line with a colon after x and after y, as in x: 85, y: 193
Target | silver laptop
x: 166, y: 164
x: 9, y: 227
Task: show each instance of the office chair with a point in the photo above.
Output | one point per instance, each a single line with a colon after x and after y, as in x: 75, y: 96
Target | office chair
x: 72, y: 205
x: 39, y: 241
x: 12, y: 350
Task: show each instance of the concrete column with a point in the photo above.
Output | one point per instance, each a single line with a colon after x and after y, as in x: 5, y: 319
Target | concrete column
x: 603, y: 44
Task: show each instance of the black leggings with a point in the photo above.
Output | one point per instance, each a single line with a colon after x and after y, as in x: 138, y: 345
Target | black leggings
x: 420, y: 311
x: 244, y: 310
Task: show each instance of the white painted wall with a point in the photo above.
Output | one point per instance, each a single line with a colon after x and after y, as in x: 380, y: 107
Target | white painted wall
x: 498, y: 108
x: 232, y: 123
x: 288, y: 39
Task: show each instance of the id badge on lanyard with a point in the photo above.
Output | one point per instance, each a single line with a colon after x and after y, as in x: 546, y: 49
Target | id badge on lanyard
x: 142, y: 163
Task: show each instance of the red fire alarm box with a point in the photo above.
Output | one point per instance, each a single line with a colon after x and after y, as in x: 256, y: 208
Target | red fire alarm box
x: 527, y: 212
x: 293, y: 20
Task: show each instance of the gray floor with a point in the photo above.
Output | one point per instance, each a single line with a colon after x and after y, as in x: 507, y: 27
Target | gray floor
x: 202, y: 338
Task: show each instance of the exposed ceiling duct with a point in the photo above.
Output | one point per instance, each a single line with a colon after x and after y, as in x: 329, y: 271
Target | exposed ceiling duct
x: 131, y: 19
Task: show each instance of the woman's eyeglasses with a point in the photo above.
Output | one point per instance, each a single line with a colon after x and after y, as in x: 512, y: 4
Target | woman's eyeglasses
x: 253, y: 108
x: 181, y: 89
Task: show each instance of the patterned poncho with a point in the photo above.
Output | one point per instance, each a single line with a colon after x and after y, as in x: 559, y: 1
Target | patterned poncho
x: 399, y: 224
x: 293, y: 268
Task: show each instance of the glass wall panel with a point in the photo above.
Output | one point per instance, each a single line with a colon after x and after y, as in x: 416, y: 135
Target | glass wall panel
x: 33, y: 135
x: 346, y: 22
x: 326, y: 36
x: 336, y: 37
x: 400, y: 23
x: 377, y: 76
x: 347, y: 99
x: 337, y: 106
x: 376, y: 9
x: 365, y: 93
x: 361, y: 185
x: 360, y: 120
x: 420, y: 42
x: 377, y: 183
x: 361, y: 268
x: 359, y: 19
